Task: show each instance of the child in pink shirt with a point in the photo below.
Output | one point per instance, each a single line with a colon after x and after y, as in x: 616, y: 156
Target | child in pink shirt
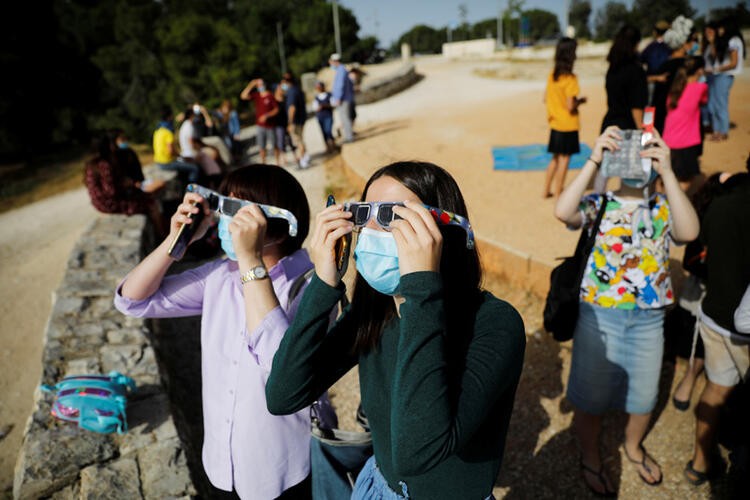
x: 682, y: 126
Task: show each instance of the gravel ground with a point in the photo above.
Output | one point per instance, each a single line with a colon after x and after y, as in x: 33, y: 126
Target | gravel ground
x: 541, y: 456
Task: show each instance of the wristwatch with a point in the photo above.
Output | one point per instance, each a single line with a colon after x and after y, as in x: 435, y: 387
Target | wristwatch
x: 255, y: 273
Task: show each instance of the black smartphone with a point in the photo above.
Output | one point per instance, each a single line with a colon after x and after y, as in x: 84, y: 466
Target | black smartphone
x: 185, y: 234
x: 341, y: 250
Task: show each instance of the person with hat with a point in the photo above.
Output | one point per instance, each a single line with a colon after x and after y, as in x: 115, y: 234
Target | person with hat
x: 343, y: 95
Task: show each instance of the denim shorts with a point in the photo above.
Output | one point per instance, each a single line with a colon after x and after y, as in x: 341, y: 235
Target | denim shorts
x: 265, y: 137
x: 616, y: 359
x: 371, y: 484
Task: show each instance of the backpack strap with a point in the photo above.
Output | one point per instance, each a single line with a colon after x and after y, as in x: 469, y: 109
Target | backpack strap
x: 299, y: 283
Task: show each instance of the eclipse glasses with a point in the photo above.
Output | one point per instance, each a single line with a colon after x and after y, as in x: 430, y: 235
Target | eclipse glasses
x: 382, y: 213
x: 225, y: 205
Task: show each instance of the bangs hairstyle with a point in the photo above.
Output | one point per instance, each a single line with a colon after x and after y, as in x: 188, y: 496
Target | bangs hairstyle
x: 565, y: 57
x: 459, y: 266
x: 272, y: 185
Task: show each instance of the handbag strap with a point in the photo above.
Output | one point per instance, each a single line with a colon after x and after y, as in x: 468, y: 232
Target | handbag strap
x: 586, y: 243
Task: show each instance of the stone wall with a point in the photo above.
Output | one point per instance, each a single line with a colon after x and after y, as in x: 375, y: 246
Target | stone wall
x: 85, y: 334
x: 380, y: 88
x: 484, y: 47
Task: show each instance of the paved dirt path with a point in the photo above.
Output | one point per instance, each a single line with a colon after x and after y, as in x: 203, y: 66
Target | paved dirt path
x: 35, y: 242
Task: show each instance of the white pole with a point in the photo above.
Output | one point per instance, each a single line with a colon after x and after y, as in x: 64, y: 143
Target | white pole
x: 336, y: 31
x: 500, y: 25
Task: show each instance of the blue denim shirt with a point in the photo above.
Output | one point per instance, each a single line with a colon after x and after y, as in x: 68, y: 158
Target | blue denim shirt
x: 343, y: 88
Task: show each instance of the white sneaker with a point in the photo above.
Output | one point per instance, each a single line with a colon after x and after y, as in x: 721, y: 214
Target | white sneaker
x: 304, y: 162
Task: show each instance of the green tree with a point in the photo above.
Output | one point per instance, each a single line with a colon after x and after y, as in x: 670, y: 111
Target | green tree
x: 645, y: 13
x: 542, y: 23
x: 114, y: 63
x: 739, y: 13
x: 423, y: 39
x: 486, y: 28
x: 609, y: 19
x: 578, y: 17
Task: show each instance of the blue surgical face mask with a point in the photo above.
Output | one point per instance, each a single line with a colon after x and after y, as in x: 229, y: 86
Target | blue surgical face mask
x: 693, y: 49
x: 123, y: 145
x: 376, y: 256
x: 285, y: 86
x: 225, y: 237
x: 261, y: 88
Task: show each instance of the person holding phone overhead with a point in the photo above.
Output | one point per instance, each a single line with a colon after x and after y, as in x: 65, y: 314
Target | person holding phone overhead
x: 244, y: 301
x: 618, y: 340
x: 439, y: 358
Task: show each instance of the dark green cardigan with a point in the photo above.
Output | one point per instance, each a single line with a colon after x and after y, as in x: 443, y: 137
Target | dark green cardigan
x: 438, y: 410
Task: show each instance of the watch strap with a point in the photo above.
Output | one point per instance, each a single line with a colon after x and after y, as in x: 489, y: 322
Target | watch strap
x: 253, y: 274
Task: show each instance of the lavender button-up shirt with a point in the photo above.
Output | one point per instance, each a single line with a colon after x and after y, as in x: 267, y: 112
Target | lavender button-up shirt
x: 260, y: 454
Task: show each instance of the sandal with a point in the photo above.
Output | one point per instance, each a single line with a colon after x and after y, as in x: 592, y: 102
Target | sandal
x: 607, y: 493
x: 643, y: 464
x: 695, y: 477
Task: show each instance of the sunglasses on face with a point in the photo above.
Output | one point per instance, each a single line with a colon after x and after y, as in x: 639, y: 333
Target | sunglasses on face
x: 225, y: 205
x: 382, y: 213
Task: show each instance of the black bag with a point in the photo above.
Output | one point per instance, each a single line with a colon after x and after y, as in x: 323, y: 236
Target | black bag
x: 561, y: 306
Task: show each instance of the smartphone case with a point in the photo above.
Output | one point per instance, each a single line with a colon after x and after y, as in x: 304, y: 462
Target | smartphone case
x: 626, y: 162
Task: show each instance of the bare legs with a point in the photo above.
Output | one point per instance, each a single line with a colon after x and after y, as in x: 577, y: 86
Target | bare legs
x: 635, y: 430
x: 706, y: 421
x: 685, y: 387
x: 588, y: 427
x: 276, y: 155
x: 557, y: 169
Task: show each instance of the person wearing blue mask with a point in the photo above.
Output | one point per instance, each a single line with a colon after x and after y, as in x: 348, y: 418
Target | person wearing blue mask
x: 439, y: 358
x: 618, y: 340
x: 245, y: 304
x: 127, y: 158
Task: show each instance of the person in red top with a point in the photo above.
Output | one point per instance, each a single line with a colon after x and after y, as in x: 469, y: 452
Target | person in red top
x: 682, y: 125
x: 266, y: 110
x: 112, y: 191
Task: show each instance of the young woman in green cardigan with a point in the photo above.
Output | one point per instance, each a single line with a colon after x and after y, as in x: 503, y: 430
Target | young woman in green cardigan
x: 439, y: 358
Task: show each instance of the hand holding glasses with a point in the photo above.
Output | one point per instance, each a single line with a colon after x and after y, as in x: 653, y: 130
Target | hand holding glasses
x: 382, y: 213
x: 226, y: 206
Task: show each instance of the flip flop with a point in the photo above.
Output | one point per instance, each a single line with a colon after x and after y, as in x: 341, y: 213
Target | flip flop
x: 695, y: 477
x: 643, y: 464
x: 600, y: 477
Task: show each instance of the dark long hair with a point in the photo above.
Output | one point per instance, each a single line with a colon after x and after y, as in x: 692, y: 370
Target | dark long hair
x: 691, y: 66
x: 623, y: 50
x: 459, y: 266
x: 731, y: 30
x: 565, y: 57
x: 272, y: 185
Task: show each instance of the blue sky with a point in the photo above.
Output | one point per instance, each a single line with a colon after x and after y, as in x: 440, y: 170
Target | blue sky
x: 388, y: 19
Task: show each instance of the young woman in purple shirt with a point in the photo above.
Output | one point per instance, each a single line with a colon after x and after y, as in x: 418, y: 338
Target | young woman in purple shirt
x: 245, y: 308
